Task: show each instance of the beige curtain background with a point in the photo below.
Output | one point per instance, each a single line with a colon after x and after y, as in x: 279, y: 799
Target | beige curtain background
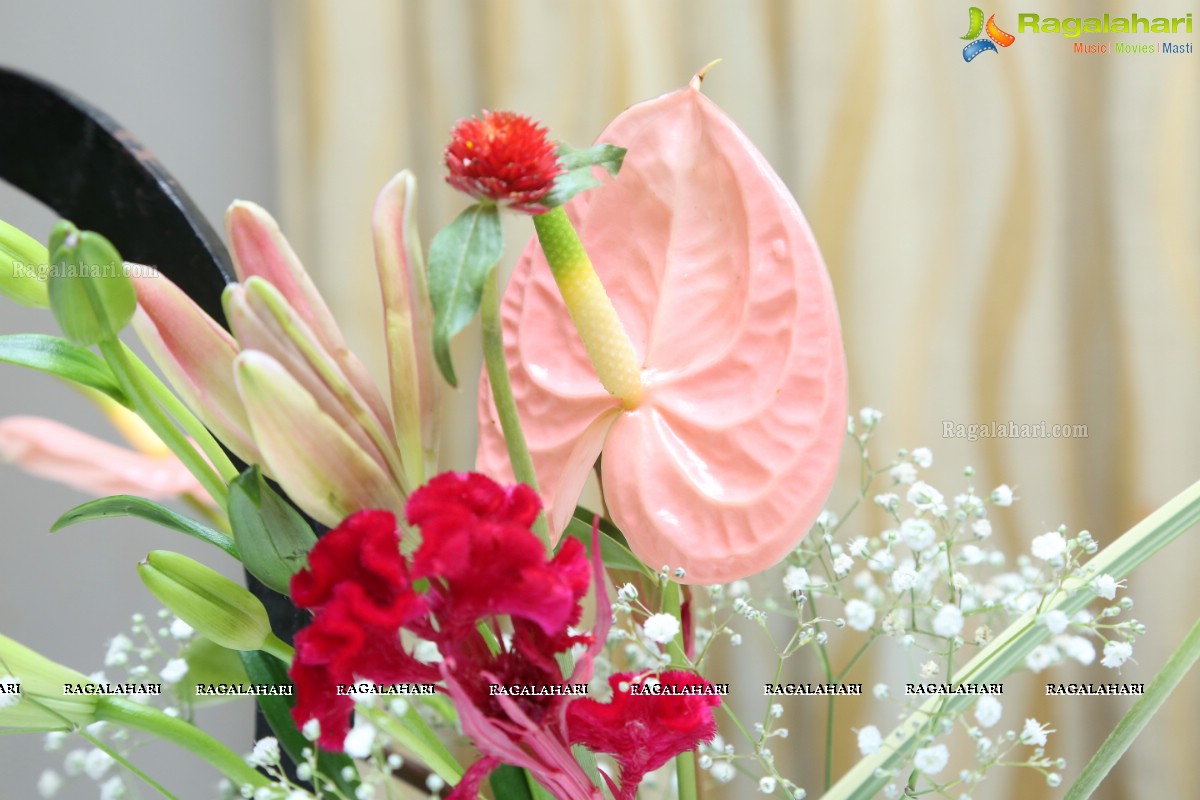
x: 1012, y: 239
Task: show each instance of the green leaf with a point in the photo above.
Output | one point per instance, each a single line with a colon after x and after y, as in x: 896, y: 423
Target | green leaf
x: 614, y: 550
x: 24, y: 265
x: 265, y: 670
x: 90, y: 294
x: 123, y: 505
x: 460, y: 258
x: 208, y: 662
x: 510, y: 783
x: 56, y: 356
x: 271, y: 536
x: 1136, y: 718
x: 578, y: 165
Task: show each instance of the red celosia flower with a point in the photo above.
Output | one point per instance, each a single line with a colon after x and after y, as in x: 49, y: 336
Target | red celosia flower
x: 477, y: 546
x: 645, y: 731
x: 504, y: 157
x: 357, y: 582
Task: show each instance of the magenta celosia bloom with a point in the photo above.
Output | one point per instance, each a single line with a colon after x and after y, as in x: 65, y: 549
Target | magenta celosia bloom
x: 481, y: 559
x: 503, y: 157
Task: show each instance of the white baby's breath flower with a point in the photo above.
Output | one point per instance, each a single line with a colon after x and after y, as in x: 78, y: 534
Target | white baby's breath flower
x: 1002, y: 495
x: 888, y: 501
x: 948, y: 621
x: 869, y: 740
x: 180, y: 629
x: 359, y: 740
x: 311, y: 729
x: 723, y: 772
x: 842, y: 565
x: 924, y: 497
x: 54, y: 741
x: 931, y: 760
x: 903, y: 472
x: 1056, y: 621
x: 860, y: 615
x: 1034, y: 733
x: 174, y: 670
x: 112, y: 789
x: 981, y: 528
x: 858, y: 546
x: 796, y: 579
x: 881, y: 691
x: 988, y: 710
x: 917, y: 533
x: 870, y: 416
x: 118, y: 651
x: 627, y: 593
x: 661, y: 628
x: 1049, y: 546
x: 49, y: 783
x: 265, y: 753
x: 903, y: 579
x: 1116, y: 654
x: 923, y: 457
x: 766, y: 784
x: 96, y: 763
x: 929, y: 669
x: 1041, y: 657
x: 1106, y: 586
x: 1078, y: 648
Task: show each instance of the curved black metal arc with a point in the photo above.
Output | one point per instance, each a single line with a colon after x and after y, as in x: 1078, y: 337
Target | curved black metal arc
x: 87, y: 168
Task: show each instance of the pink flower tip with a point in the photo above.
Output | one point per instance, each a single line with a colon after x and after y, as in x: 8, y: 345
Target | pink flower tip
x: 503, y: 157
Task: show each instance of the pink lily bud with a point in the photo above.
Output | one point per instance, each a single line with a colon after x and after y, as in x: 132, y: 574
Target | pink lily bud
x: 196, y: 356
x: 318, y: 464
x: 407, y: 320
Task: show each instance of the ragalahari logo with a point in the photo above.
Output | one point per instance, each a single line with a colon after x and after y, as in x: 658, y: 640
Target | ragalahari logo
x: 995, y: 36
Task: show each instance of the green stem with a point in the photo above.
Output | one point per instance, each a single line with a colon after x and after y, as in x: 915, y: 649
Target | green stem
x: 502, y: 393
x: 685, y: 763
x: 154, y: 416
x: 187, y: 420
x: 277, y: 647
x: 1132, y: 723
x: 150, y: 720
x: 127, y: 764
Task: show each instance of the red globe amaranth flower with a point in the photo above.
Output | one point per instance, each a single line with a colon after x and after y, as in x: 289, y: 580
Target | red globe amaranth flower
x: 644, y: 731
x: 357, y: 582
x: 503, y: 157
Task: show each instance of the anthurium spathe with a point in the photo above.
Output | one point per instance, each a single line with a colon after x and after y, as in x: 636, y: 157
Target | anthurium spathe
x: 723, y: 461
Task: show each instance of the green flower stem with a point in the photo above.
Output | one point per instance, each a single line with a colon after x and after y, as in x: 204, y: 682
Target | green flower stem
x: 1010, y: 648
x: 126, y: 374
x: 604, y: 337
x: 1132, y: 723
x: 121, y: 711
x: 181, y: 413
x: 506, y: 404
x: 685, y: 763
x: 127, y: 764
x: 277, y: 647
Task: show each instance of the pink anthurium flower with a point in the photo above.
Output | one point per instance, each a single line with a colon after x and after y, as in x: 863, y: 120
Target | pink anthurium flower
x: 723, y: 460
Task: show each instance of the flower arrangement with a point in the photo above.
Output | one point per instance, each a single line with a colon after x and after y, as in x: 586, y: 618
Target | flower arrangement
x: 670, y: 328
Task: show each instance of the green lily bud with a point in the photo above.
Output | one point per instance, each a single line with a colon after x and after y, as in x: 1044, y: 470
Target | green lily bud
x: 44, y: 703
x: 90, y: 293
x: 23, y: 267
x: 215, y: 606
